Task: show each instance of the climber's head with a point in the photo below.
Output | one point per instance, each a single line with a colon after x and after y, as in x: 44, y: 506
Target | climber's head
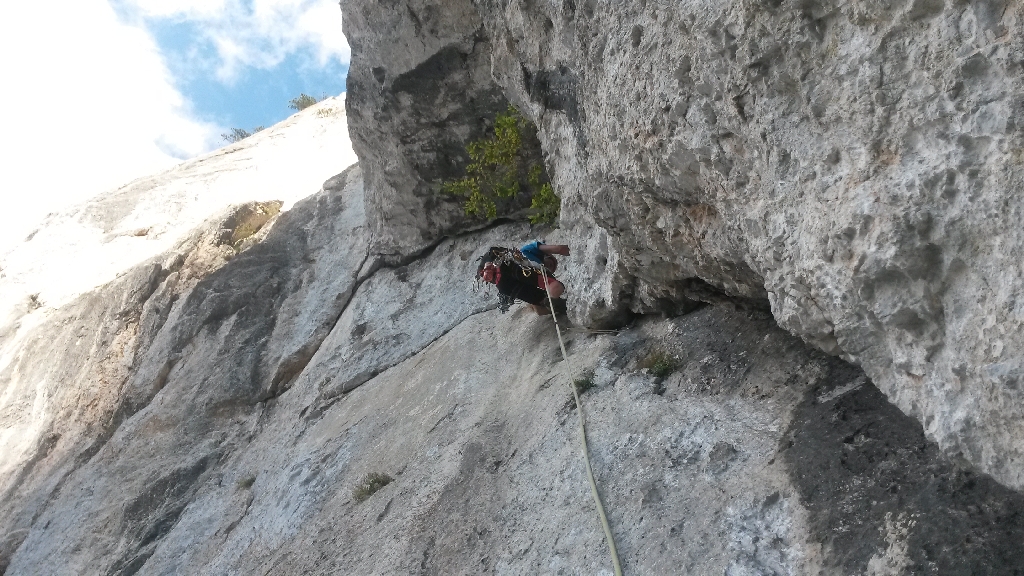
x: 488, y: 272
x: 551, y: 263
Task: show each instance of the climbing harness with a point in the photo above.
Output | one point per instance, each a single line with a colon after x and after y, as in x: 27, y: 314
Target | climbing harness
x: 583, y: 438
x: 489, y: 271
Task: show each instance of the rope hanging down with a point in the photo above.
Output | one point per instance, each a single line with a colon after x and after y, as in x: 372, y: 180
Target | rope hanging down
x: 583, y: 437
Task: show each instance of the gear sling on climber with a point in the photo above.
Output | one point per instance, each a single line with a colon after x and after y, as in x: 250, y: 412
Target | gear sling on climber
x: 518, y: 275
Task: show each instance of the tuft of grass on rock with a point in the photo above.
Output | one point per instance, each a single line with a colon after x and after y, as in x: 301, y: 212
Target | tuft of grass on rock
x: 659, y: 363
x: 583, y: 383
x: 369, y: 485
x: 246, y: 482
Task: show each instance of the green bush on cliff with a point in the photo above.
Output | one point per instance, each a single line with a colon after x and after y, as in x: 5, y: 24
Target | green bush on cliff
x: 494, y: 172
x: 246, y: 482
x: 544, y: 203
x: 235, y: 135
x: 301, y: 102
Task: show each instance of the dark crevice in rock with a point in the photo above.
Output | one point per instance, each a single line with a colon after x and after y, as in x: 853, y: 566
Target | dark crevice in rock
x: 701, y: 291
x: 379, y: 262
x: 328, y: 399
x: 153, y: 514
x: 395, y: 263
x: 876, y: 488
x: 396, y: 260
x: 721, y: 346
x: 464, y: 233
x: 290, y: 368
x: 234, y: 523
x: 688, y: 295
x: 164, y: 374
x: 428, y: 77
x: 557, y: 89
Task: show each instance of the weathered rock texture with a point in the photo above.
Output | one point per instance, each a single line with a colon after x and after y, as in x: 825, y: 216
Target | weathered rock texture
x: 85, y: 246
x: 210, y: 410
x: 420, y: 97
x: 219, y: 420
x: 854, y: 165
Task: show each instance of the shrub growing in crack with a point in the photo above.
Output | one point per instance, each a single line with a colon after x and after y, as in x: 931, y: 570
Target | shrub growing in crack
x: 301, y: 102
x: 497, y: 168
x: 239, y: 134
x: 660, y: 363
x: 584, y: 382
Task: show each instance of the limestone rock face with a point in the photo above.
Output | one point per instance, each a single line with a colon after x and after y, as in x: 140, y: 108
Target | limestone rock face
x: 85, y: 246
x: 420, y: 88
x: 72, y: 377
x: 748, y: 204
x: 852, y: 165
x: 220, y: 420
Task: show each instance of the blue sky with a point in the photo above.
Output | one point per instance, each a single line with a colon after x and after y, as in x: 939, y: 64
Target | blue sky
x: 112, y: 90
x: 256, y: 95
x: 260, y: 96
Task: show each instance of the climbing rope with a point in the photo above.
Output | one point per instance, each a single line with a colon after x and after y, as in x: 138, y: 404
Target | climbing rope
x: 583, y: 437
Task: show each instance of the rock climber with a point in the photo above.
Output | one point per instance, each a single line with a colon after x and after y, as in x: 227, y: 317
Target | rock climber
x: 518, y: 275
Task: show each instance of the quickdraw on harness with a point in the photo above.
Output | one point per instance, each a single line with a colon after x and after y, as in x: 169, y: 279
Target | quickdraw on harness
x: 489, y: 270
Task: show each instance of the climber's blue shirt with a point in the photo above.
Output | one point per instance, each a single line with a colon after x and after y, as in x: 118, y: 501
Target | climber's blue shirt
x: 532, y: 251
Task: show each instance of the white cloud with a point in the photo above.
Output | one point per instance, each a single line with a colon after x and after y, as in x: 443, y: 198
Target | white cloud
x: 89, y: 106
x: 322, y: 24
x: 191, y: 9
x: 90, y: 103
x: 255, y: 33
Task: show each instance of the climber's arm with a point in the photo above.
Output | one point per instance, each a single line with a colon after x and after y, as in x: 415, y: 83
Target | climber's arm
x: 560, y: 249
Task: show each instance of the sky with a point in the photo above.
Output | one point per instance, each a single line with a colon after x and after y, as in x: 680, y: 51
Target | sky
x: 100, y: 92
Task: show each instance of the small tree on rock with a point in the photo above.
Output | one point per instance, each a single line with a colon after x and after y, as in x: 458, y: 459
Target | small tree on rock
x: 235, y: 135
x: 301, y: 102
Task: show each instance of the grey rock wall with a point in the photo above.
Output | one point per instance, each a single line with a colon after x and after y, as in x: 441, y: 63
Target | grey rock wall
x: 418, y: 97
x: 257, y: 391
x: 122, y: 452
x: 212, y: 410
x: 852, y: 165
x: 71, y: 381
